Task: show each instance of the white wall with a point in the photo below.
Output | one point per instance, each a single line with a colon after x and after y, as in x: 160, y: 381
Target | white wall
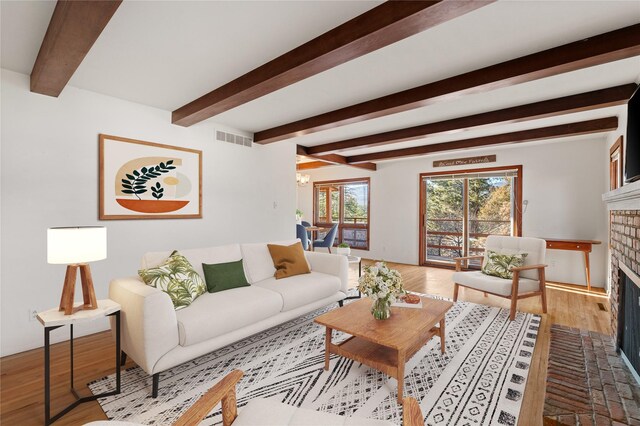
x: 563, y: 182
x: 49, y: 177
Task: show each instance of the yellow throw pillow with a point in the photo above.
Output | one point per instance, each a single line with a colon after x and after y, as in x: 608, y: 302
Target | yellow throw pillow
x: 288, y: 260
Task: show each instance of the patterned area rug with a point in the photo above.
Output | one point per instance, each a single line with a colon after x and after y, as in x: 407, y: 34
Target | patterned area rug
x: 480, y: 380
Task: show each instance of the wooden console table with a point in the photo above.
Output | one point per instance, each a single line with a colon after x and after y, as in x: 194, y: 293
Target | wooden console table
x: 574, y: 245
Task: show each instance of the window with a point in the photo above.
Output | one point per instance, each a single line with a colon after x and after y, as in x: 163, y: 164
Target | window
x: 346, y: 203
x: 459, y: 211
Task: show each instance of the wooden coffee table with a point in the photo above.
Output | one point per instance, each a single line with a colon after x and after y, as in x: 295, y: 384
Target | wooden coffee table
x: 385, y: 345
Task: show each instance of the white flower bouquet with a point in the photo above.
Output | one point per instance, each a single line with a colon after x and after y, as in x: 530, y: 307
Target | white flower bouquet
x: 383, y: 286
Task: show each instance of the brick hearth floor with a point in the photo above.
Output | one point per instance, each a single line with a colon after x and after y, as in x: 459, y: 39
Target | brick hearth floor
x: 587, y: 381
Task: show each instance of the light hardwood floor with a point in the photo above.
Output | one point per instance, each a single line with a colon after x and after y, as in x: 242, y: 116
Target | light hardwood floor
x: 21, y: 380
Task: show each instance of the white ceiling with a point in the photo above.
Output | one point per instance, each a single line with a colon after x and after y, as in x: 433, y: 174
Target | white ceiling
x: 167, y: 53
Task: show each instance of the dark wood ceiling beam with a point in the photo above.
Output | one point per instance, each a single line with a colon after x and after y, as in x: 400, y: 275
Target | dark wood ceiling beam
x: 334, y: 159
x: 569, y: 104
x: 312, y: 165
x: 331, y: 158
x: 340, y: 160
x: 612, y: 46
x: 379, y: 27
x: 74, y: 27
x: 562, y: 130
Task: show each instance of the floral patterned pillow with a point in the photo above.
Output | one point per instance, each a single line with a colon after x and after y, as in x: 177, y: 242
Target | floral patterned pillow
x: 177, y: 278
x: 499, y: 265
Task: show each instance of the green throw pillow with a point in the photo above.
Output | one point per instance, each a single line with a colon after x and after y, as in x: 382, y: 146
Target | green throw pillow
x: 177, y: 278
x: 224, y: 276
x: 499, y: 265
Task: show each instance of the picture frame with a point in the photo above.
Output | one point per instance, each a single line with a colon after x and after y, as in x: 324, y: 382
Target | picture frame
x: 147, y: 180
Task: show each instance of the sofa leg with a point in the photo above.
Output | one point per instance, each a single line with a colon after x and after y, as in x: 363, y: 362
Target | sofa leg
x: 123, y: 358
x: 456, y: 287
x: 156, y: 382
x: 341, y: 303
x: 329, y: 248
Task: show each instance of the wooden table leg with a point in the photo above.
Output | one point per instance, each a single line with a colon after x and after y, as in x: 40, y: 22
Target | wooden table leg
x: 587, y: 270
x: 442, y: 348
x: 400, y: 377
x: 327, y: 344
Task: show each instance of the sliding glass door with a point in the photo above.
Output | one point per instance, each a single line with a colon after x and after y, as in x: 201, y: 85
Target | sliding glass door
x: 459, y: 211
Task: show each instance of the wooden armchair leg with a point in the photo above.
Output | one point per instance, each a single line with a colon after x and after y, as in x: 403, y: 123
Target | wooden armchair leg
x: 543, y: 289
x: 514, y: 295
x: 456, y: 287
x: 485, y: 294
x: 514, y: 305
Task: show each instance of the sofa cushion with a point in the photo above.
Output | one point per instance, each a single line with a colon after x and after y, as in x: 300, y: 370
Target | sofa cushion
x: 176, y: 277
x: 224, y: 276
x: 265, y: 412
x: 302, y: 289
x: 288, y: 260
x: 215, y: 314
x: 483, y: 282
x: 196, y: 257
x: 258, y: 264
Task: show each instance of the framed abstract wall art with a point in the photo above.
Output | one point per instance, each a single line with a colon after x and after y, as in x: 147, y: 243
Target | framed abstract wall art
x: 146, y: 180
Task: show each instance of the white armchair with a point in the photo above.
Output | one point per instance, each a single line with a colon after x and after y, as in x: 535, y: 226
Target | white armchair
x: 528, y: 280
x: 268, y: 413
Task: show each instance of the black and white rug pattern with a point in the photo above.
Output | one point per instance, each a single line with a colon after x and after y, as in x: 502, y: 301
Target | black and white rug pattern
x: 480, y: 379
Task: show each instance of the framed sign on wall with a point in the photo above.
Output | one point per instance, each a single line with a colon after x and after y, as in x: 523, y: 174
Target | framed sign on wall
x: 146, y: 180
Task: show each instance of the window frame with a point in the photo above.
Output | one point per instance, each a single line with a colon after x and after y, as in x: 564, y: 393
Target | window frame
x: 341, y: 223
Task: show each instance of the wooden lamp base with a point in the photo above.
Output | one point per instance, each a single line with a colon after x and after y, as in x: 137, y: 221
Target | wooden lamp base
x: 68, y: 291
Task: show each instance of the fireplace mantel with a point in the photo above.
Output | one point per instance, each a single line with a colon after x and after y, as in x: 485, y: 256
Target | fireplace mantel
x: 624, y: 198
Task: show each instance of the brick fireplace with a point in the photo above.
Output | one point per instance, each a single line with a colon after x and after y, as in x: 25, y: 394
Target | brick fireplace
x: 625, y: 249
x: 624, y: 242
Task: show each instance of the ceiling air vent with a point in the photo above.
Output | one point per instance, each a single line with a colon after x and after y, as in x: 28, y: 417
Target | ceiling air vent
x: 234, y: 139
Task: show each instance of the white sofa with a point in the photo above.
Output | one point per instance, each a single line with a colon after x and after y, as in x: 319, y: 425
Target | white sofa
x: 157, y: 337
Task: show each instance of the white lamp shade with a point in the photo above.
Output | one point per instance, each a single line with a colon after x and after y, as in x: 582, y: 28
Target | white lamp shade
x: 76, y: 244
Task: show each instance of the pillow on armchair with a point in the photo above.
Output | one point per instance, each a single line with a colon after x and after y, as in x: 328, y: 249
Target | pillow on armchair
x: 499, y: 265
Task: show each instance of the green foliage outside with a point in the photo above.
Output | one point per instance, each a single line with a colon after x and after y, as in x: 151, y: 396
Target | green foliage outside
x: 354, y: 211
x: 355, y: 204
x: 489, y: 212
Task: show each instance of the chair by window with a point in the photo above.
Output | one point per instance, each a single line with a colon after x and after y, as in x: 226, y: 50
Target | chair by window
x: 301, y: 233
x: 528, y: 280
x: 328, y: 239
x: 306, y: 225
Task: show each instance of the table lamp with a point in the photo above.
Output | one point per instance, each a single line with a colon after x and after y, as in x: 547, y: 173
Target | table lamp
x: 75, y: 247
